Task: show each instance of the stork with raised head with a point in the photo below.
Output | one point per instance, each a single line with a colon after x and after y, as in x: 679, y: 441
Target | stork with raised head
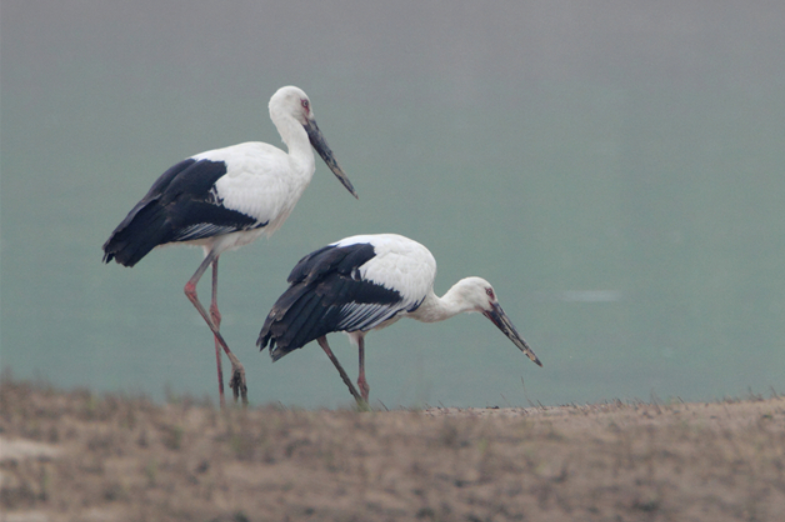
x: 364, y: 283
x: 225, y: 198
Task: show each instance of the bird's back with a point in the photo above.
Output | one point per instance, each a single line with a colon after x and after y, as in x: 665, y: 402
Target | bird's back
x: 262, y: 181
x: 400, y: 263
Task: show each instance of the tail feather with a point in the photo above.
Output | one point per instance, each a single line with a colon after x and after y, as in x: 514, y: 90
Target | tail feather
x: 279, y: 330
x: 293, y: 321
x: 145, y: 227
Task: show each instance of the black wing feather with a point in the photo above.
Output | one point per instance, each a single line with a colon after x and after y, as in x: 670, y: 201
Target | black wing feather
x: 180, y: 206
x: 322, y: 285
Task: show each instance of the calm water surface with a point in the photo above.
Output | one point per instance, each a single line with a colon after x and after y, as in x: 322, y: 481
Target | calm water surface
x: 615, y: 170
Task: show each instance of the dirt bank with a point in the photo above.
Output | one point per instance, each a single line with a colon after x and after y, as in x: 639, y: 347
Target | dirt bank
x: 77, y: 456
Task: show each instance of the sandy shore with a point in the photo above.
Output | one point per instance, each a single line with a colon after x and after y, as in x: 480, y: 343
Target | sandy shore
x: 77, y: 456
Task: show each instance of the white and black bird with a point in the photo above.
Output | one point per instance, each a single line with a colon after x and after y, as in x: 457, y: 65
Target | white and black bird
x: 226, y: 198
x: 364, y: 283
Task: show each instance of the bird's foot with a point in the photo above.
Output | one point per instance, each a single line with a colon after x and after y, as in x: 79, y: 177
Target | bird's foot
x: 362, y: 400
x: 362, y: 404
x: 237, y: 383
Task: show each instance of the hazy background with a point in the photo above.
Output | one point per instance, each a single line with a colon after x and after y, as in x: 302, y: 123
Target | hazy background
x: 614, y: 168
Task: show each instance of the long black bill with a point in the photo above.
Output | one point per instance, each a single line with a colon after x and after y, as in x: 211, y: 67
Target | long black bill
x: 503, y: 323
x: 318, y: 142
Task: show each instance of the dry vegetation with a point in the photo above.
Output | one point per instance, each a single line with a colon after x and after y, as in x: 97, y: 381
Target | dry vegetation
x: 77, y: 456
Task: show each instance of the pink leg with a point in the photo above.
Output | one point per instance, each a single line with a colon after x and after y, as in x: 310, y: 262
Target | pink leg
x: 326, y: 347
x: 215, y: 315
x: 238, y: 372
x: 361, y: 382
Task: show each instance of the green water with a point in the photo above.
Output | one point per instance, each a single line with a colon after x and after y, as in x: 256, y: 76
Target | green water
x: 615, y: 170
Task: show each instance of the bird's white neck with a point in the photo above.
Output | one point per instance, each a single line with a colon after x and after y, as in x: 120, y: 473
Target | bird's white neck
x: 297, y: 143
x: 435, y: 308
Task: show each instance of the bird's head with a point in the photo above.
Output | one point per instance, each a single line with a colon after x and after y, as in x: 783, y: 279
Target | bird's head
x: 293, y: 102
x: 478, y: 294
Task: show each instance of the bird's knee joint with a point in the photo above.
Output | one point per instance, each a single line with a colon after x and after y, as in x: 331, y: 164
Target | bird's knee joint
x: 190, y: 290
